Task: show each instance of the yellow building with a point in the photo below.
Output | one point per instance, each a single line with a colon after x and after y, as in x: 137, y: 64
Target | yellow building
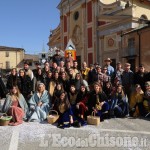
x: 10, y: 57
x: 96, y: 27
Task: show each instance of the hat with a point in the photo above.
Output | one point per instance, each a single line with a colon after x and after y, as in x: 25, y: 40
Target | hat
x: 108, y: 59
x: 147, y: 83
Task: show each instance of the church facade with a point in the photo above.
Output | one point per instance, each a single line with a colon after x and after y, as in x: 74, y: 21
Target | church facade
x: 96, y: 27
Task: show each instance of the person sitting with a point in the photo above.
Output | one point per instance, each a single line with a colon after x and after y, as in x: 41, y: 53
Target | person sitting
x: 82, y: 98
x: 57, y: 91
x: 146, y: 99
x: 66, y: 116
x: 39, y: 104
x: 136, y: 102
x: 3, y: 90
x: 119, y: 103
x: 72, y: 96
x: 15, y: 106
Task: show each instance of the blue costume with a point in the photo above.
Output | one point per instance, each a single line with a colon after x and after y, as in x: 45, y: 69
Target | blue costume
x: 39, y: 113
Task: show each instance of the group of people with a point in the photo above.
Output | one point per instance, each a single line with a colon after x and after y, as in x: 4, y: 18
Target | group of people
x: 75, y: 93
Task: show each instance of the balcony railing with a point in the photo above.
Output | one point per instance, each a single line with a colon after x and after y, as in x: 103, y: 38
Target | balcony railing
x: 127, y: 52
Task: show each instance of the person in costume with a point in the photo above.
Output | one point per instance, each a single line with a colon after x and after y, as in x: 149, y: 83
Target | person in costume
x: 66, y: 116
x: 82, y: 98
x: 39, y: 104
x: 24, y: 84
x: 57, y: 91
x: 119, y: 103
x: 72, y: 96
x: 136, y: 102
x: 15, y: 106
x: 97, y: 102
x: 12, y: 79
x: 69, y: 58
x: 3, y: 90
x: 146, y: 99
x: 84, y: 71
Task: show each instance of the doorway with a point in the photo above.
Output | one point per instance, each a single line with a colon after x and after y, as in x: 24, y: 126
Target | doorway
x: 132, y: 62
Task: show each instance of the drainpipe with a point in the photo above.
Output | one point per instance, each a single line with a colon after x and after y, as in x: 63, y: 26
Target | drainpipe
x: 139, y: 34
x: 97, y: 33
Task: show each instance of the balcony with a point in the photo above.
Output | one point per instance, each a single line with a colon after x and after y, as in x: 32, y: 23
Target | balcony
x: 129, y: 52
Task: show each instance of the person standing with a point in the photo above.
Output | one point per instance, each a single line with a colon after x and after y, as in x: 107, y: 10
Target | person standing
x: 118, y: 73
x: 28, y: 71
x: 69, y: 58
x: 110, y: 69
x: 140, y: 77
x: 85, y: 70
x: 12, y: 79
x: 24, y: 84
x: 128, y: 80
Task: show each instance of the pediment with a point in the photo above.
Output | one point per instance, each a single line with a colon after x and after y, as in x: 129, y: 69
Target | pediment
x: 111, y: 5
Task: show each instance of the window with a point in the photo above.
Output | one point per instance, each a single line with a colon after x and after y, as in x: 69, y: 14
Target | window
x: 7, y: 65
x: 76, y: 15
x: 131, y: 43
x: 7, y: 54
x: 131, y: 46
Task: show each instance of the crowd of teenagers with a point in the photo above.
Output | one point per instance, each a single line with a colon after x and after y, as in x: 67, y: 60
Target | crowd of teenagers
x: 74, y: 93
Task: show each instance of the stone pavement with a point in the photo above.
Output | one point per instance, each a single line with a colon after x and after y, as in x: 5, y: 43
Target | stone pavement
x: 121, y: 134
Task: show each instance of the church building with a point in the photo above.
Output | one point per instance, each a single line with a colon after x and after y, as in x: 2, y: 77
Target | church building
x: 96, y: 27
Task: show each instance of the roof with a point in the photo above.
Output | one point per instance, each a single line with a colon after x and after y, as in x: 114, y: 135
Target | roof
x: 31, y: 57
x: 137, y: 29
x: 5, y: 48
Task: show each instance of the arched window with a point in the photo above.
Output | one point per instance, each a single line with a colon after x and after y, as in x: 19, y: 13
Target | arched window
x: 144, y: 17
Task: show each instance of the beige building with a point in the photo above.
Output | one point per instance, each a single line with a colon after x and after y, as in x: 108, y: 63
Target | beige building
x: 31, y: 58
x: 96, y: 27
x: 136, y: 47
x: 10, y: 57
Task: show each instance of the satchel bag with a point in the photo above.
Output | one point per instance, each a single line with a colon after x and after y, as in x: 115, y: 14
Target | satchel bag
x: 93, y: 120
x: 52, y: 118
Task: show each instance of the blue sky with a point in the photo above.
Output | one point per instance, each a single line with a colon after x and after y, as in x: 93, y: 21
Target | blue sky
x: 27, y: 23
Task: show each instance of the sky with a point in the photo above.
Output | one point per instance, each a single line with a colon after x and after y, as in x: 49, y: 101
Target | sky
x: 27, y: 23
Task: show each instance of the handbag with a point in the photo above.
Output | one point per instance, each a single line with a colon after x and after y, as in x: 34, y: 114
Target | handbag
x: 93, y: 120
x: 52, y: 118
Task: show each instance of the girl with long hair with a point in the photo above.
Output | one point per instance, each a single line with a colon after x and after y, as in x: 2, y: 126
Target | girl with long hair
x: 39, y: 104
x: 15, y: 106
x: 119, y: 105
